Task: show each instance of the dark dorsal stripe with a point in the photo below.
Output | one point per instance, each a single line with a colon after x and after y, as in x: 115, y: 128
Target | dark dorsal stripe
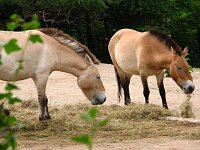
x: 168, y: 41
x: 67, y: 40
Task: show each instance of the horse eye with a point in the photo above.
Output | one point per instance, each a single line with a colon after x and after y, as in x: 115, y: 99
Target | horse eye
x: 179, y: 68
x: 98, y: 77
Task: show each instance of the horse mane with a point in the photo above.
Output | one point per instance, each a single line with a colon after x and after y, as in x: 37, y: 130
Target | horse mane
x: 72, y: 43
x: 167, y: 40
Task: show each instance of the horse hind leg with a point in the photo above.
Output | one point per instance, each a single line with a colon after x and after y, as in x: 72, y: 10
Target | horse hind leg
x: 40, y: 83
x: 160, y: 78
x: 146, y: 91
x: 123, y: 80
x: 125, y: 86
x: 119, y: 95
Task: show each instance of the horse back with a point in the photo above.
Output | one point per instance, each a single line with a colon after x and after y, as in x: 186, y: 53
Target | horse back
x: 138, y: 52
x: 31, y: 54
x: 124, y: 48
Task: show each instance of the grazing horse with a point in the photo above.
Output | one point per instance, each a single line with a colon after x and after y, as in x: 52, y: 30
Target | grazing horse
x: 58, y: 52
x: 145, y: 54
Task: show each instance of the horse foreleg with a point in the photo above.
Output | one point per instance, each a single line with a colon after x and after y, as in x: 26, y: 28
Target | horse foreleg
x: 159, y: 79
x: 40, y: 83
x: 146, y: 91
x: 44, y: 109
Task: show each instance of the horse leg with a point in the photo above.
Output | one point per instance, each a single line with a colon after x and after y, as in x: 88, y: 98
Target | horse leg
x: 159, y: 79
x: 123, y: 81
x: 125, y: 86
x: 146, y: 91
x: 40, y: 83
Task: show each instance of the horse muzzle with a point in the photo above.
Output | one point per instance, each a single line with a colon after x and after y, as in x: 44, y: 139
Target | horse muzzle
x: 99, y: 99
x: 188, y: 87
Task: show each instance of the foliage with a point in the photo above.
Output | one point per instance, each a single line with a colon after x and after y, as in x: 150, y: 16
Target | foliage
x: 91, y: 118
x: 11, y: 46
x: 8, y: 123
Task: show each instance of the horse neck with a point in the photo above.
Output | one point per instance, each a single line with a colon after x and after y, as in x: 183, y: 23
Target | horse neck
x: 70, y: 62
x: 164, y: 59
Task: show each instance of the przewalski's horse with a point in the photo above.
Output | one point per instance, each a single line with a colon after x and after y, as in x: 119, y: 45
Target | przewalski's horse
x: 145, y: 54
x: 58, y: 52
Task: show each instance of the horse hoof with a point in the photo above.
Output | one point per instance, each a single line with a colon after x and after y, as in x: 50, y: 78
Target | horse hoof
x: 47, y: 117
x: 6, y: 112
x: 127, y: 102
x: 165, y: 106
x: 44, y: 118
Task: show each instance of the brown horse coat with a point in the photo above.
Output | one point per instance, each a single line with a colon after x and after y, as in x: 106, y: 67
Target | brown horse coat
x: 146, y: 54
x: 58, y: 52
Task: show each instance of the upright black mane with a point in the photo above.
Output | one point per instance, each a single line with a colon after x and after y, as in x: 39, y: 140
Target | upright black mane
x: 167, y: 40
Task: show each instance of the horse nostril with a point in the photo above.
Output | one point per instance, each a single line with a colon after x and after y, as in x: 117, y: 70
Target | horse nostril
x: 190, y: 88
x: 100, y: 101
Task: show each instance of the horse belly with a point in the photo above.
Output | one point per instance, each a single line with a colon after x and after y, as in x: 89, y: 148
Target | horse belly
x: 127, y: 63
x: 11, y: 72
x: 10, y: 65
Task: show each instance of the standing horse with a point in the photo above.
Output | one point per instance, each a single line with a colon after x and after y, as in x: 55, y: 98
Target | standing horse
x: 58, y: 52
x: 145, y: 54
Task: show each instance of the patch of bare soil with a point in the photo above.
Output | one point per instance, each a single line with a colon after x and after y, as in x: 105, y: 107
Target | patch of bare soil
x: 62, y: 89
x: 161, y: 143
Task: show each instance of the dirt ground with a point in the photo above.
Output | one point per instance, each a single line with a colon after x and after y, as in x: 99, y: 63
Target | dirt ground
x: 62, y: 89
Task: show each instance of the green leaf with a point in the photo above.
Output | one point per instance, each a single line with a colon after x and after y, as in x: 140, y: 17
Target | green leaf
x: 104, y: 122
x: 190, y: 68
x: 33, y: 24
x: 30, y: 25
x: 35, y: 38
x: 83, y: 139
x: 14, y: 100
x: 10, y: 120
x: 5, y: 95
x: 10, y: 87
x: 87, y: 118
x: 16, y: 18
x: 11, y: 139
x: 12, y: 26
x: 93, y: 112
x: 16, y: 21
x: 90, y: 116
x: 2, y: 96
x: 11, y: 46
x: 20, y: 67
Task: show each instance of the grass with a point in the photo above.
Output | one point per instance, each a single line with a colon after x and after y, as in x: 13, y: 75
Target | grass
x: 127, y: 122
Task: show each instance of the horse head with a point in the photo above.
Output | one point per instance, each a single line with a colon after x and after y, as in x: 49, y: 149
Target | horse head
x: 91, y: 85
x: 179, y: 71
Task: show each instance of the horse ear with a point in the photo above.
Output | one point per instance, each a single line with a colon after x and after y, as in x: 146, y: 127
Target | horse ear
x: 88, y: 59
x: 173, y: 51
x: 185, y: 51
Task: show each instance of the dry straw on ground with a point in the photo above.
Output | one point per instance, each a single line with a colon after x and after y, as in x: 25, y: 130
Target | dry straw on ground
x: 127, y: 122
x: 186, y: 108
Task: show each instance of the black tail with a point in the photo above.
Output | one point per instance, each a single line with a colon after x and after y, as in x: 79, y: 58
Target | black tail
x: 119, y: 84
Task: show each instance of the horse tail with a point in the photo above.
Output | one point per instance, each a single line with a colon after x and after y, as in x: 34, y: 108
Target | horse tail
x: 119, y: 84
